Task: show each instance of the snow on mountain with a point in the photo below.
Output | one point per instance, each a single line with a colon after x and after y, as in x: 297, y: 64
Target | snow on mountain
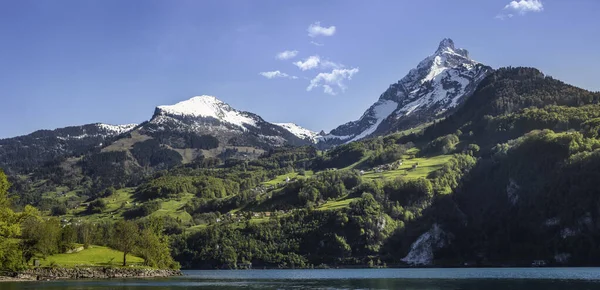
x: 441, y: 80
x: 97, y: 130
x: 209, y: 107
x: 300, y: 132
x: 381, y: 110
x: 117, y: 129
x: 207, y: 115
x: 23, y: 152
x: 439, y: 83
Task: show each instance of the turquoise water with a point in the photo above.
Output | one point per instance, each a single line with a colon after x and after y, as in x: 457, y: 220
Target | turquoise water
x: 410, y: 279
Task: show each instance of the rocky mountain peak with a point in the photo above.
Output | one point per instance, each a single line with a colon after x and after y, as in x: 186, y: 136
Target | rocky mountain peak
x: 446, y: 43
x: 447, y: 47
x: 439, y: 83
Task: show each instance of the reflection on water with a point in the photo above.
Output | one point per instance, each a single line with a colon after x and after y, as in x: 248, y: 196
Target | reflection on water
x: 408, y: 279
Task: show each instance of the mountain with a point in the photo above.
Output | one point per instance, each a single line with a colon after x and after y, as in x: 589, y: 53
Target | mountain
x: 440, y: 83
x: 300, y: 132
x: 207, y: 115
x: 508, y: 178
x: 200, y: 126
x: 29, y: 151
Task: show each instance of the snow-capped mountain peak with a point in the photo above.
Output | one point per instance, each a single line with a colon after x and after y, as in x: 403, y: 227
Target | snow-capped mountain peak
x: 438, y: 83
x: 446, y: 43
x: 300, y: 132
x: 208, y: 107
x: 207, y: 115
x: 447, y: 46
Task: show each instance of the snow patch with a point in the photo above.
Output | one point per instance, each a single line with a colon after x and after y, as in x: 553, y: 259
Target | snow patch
x: 436, y: 69
x: 300, y: 132
x: 117, y: 129
x: 381, y: 110
x: 331, y: 136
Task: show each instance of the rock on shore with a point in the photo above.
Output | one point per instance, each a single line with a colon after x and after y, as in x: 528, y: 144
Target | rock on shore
x: 91, y: 273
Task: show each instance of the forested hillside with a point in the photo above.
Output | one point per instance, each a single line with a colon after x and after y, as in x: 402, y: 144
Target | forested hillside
x: 510, y: 178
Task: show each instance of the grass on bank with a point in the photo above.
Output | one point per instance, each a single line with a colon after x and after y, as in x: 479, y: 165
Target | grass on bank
x: 94, y: 256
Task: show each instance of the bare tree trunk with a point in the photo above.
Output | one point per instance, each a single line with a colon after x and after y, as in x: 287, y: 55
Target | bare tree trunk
x: 124, y: 258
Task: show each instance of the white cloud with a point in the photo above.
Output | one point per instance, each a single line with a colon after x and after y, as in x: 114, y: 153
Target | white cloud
x: 316, y: 61
x: 329, y: 90
x: 521, y: 7
x: 326, y: 64
x: 309, y: 63
x: 333, y: 79
x: 524, y: 6
x: 276, y: 74
x: 288, y: 54
x: 316, y: 29
x: 504, y: 16
x: 317, y: 43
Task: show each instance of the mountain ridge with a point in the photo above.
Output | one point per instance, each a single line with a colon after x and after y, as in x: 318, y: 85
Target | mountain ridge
x: 26, y: 151
x: 438, y: 84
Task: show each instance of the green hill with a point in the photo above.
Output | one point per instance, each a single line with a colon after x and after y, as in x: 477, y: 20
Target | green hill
x: 506, y: 179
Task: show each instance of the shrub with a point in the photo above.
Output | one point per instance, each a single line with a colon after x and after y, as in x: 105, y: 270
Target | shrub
x: 58, y: 210
x: 96, y: 206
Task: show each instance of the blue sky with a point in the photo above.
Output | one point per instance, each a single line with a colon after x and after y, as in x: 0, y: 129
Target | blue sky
x: 71, y: 62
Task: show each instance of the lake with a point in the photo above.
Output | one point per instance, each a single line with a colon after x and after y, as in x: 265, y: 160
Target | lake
x: 409, y: 279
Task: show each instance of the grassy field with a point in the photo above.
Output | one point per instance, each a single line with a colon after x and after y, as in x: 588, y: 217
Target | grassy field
x: 174, y: 208
x: 120, y: 199
x: 353, y: 165
x: 116, y: 205
x: 337, y: 205
x: 93, y: 256
x: 282, y: 178
x: 258, y: 220
x: 426, y: 166
x: 123, y: 200
x: 415, y: 130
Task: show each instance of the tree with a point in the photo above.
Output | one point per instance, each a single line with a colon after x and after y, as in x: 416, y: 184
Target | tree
x: 472, y: 149
x: 108, y: 192
x: 4, y: 185
x: 58, y: 210
x: 96, y: 206
x: 84, y: 234
x: 10, y: 254
x: 154, y: 245
x: 68, y: 238
x: 41, y: 237
x: 125, y: 238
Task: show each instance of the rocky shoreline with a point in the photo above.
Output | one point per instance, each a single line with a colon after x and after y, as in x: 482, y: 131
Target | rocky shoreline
x: 46, y: 274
